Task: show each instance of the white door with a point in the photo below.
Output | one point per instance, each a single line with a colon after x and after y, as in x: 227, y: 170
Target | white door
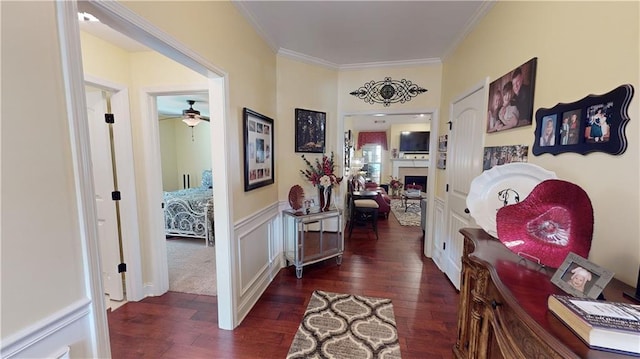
x: 104, y: 186
x: 463, y: 165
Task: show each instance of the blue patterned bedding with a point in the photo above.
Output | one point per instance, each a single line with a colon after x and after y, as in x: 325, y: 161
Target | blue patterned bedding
x: 189, y: 213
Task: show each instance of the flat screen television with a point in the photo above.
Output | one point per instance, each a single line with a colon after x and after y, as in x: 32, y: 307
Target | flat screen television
x: 414, y: 142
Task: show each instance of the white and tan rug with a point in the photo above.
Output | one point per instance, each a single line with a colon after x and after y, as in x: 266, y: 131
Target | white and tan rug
x: 192, y: 266
x: 346, y: 326
x: 409, y: 218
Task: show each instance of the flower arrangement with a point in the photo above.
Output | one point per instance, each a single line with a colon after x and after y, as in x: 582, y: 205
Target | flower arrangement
x: 321, y: 173
x: 395, y: 183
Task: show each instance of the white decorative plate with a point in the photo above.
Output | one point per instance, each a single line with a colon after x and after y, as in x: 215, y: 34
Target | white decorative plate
x: 500, y: 186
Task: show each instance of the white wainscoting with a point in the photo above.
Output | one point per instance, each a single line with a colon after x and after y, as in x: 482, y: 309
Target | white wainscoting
x: 259, y: 246
x: 439, y: 232
x: 65, y: 333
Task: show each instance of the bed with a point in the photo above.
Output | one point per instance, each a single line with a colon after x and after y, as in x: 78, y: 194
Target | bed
x: 189, y: 212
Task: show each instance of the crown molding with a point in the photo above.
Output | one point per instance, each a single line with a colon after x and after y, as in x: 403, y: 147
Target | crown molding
x: 256, y: 25
x: 357, y: 66
x: 308, y: 59
x: 471, y: 24
x: 402, y: 63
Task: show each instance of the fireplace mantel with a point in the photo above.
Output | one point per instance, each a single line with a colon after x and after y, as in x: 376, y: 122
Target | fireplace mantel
x: 408, y: 163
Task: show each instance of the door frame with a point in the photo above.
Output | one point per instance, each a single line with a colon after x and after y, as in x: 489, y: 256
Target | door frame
x: 123, y: 147
x: 124, y: 20
x: 151, y: 135
x: 482, y: 85
x: 433, y: 148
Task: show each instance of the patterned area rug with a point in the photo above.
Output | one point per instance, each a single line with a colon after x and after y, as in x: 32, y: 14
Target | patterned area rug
x: 346, y: 326
x: 409, y: 218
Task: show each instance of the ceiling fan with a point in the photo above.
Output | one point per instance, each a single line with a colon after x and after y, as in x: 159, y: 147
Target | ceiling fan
x: 192, y: 117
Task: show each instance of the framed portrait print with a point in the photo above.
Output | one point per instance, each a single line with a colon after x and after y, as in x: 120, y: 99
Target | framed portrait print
x: 310, y: 131
x: 581, y: 278
x: 594, y: 123
x: 258, y: 150
x: 500, y: 155
x: 511, y: 98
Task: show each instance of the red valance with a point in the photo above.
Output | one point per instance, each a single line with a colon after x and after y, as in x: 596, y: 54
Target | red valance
x: 372, y: 138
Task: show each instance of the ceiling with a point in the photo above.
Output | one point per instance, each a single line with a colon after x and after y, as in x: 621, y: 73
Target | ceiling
x: 353, y: 33
x: 341, y: 35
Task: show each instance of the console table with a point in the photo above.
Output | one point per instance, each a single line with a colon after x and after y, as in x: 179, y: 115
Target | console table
x: 313, y: 237
x: 503, y: 306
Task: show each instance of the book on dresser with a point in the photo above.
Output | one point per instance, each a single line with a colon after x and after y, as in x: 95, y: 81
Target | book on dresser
x: 602, y: 325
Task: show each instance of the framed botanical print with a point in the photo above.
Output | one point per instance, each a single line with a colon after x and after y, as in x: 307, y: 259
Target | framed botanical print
x: 310, y: 131
x: 258, y: 150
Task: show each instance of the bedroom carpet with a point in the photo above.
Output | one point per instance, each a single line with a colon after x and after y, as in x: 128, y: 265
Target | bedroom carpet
x: 409, y: 218
x: 192, y: 266
x: 346, y: 326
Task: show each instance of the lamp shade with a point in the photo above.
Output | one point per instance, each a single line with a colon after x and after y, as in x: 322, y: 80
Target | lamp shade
x: 191, y: 121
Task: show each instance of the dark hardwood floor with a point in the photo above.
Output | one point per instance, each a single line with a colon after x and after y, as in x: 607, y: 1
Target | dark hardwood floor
x: 179, y: 325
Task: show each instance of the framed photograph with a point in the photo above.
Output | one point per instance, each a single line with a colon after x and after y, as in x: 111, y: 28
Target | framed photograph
x: 310, y: 131
x: 258, y: 150
x: 442, y: 143
x: 511, y: 98
x: 500, y: 155
x: 581, y: 278
x: 595, y: 123
x: 442, y: 160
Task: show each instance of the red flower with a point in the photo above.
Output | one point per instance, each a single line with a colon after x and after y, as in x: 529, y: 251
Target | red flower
x: 314, y: 172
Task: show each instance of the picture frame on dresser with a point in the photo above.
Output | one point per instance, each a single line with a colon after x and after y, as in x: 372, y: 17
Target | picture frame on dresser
x: 580, y: 277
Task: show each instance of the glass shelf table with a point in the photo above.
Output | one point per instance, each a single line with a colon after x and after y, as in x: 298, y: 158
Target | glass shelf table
x: 312, y: 237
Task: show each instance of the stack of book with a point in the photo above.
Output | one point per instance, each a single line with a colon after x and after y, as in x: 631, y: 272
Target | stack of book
x: 601, y: 325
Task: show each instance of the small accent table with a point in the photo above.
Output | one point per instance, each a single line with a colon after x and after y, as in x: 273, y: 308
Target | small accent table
x: 313, y: 237
x: 418, y: 196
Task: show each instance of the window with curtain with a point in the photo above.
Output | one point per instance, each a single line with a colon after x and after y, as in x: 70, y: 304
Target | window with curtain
x: 372, y: 138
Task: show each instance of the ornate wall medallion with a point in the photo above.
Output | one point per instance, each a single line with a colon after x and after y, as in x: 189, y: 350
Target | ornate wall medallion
x: 388, y: 91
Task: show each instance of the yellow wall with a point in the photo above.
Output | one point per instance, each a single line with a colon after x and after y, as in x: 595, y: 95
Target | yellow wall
x: 184, y: 154
x: 582, y: 48
x: 42, y: 257
x: 222, y: 36
x: 309, y: 87
x: 426, y: 76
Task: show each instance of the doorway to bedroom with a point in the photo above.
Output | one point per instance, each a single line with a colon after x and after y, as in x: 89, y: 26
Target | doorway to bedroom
x: 187, y: 184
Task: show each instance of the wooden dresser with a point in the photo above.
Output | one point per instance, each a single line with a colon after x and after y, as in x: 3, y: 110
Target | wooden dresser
x: 503, y: 306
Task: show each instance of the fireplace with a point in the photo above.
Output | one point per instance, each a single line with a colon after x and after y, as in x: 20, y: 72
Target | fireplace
x: 419, y: 180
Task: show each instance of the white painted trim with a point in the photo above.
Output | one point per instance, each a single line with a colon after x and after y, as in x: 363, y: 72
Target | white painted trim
x: 307, y: 59
x: 428, y: 239
x: 36, y: 333
x: 386, y: 64
x: 250, y: 293
x: 356, y: 66
x: 469, y: 26
x: 129, y: 23
x: 126, y: 183
x: 256, y: 25
x: 71, y: 61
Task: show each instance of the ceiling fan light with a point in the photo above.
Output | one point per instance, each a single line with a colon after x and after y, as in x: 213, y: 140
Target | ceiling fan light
x: 191, y: 121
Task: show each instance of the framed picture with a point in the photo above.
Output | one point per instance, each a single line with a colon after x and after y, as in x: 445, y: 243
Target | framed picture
x: 310, y: 131
x: 581, y: 278
x: 500, y: 155
x: 442, y: 160
x: 258, y: 150
x: 511, y: 98
x: 442, y: 143
x: 595, y: 123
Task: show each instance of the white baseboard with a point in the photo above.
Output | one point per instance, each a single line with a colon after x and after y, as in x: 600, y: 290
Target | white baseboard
x: 65, y: 332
